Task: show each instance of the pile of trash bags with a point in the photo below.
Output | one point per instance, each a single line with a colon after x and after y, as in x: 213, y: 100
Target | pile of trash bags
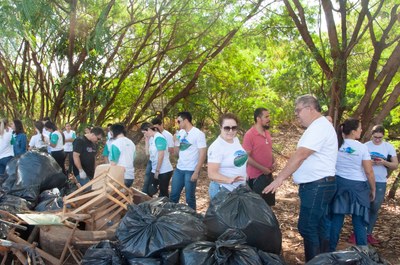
x: 26, y: 178
x: 161, y: 232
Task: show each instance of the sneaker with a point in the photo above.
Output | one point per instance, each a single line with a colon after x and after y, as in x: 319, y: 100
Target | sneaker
x: 371, y: 240
x: 352, y: 239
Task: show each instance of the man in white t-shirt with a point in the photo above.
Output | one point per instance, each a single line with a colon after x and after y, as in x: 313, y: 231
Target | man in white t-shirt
x: 313, y: 168
x: 123, y: 153
x: 383, y: 157
x: 191, y: 146
x: 69, y: 137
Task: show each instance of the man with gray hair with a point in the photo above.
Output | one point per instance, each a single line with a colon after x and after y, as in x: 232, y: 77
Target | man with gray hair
x: 313, y: 168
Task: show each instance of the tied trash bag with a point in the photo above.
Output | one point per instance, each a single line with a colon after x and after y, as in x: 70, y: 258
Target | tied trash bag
x: 32, y: 173
x: 103, y: 253
x: 229, y: 249
x: 149, y: 229
x: 48, y: 201
x: 351, y: 256
x: 244, y: 210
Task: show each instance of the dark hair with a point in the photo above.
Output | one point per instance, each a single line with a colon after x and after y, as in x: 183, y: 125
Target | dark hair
x: 109, y: 125
x: 118, y: 129
x: 50, y: 125
x: 46, y: 119
x: 156, y: 121
x: 258, y: 113
x: 39, y: 125
x: 228, y: 116
x: 19, y: 128
x: 185, y: 115
x: 378, y: 129
x: 97, y: 131
x: 345, y: 128
x: 309, y: 100
x: 147, y: 125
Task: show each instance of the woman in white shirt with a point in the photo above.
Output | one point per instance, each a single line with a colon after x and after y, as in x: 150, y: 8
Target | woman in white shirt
x: 161, y: 168
x: 56, y: 139
x: 6, y: 148
x: 39, y: 141
x: 355, y: 184
x: 226, y: 158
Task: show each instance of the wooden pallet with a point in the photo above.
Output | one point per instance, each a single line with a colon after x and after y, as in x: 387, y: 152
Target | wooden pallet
x: 105, y: 198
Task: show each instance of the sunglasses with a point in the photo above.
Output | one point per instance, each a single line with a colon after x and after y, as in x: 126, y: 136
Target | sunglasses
x: 228, y: 128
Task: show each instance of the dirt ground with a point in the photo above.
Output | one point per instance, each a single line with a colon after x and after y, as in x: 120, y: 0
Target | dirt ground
x: 387, y: 229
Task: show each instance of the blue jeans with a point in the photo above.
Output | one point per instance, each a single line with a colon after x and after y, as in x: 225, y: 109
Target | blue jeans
x: 314, y: 223
x: 213, y: 189
x: 359, y: 227
x: 180, y: 179
x: 376, y: 205
x: 3, y: 164
x: 147, y: 178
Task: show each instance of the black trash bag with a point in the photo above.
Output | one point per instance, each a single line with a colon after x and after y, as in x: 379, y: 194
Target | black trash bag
x: 32, y: 173
x: 144, y: 261
x: 201, y: 252
x: 14, y: 204
x: 164, y: 205
x: 170, y: 257
x: 103, y: 253
x: 230, y: 249
x: 244, y: 210
x: 351, y: 256
x: 48, y: 201
x: 270, y: 258
x: 148, y: 229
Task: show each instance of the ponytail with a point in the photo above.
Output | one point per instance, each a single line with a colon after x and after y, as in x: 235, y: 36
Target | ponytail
x: 346, y: 128
x: 340, y: 135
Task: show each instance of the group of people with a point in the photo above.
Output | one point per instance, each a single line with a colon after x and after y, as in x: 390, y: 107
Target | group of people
x: 337, y: 175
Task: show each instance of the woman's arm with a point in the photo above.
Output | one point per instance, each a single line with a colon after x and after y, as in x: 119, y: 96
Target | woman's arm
x: 214, y: 175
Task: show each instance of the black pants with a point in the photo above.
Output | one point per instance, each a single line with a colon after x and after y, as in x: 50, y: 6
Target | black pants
x: 59, y: 156
x: 258, y: 185
x: 162, y: 183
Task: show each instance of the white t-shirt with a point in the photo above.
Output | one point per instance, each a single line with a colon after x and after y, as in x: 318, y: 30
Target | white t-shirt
x: 189, y: 145
x: 123, y: 154
x: 169, y: 137
x: 56, y: 138
x: 320, y: 137
x: 6, y: 148
x: 37, y: 142
x: 349, y: 160
x: 380, y: 151
x: 68, y: 145
x: 232, y: 159
x: 159, y: 143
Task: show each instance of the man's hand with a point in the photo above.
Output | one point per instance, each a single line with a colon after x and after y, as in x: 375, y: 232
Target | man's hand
x: 82, y: 174
x: 194, y: 177
x: 156, y: 174
x: 273, y: 186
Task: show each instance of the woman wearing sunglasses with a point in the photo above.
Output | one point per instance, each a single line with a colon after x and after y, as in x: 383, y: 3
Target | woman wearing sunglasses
x: 226, y: 158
